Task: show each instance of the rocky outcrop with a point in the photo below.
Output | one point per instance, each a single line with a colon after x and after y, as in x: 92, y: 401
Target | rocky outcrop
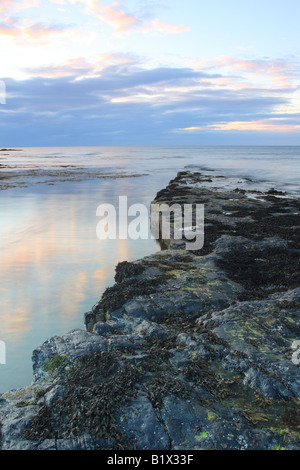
x: 188, y: 350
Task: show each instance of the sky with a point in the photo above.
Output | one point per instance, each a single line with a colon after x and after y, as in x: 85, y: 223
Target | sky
x: 139, y: 72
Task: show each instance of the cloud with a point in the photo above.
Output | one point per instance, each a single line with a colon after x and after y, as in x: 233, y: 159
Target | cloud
x: 28, y: 31
x: 244, y: 48
x: 36, y: 31
x: 70, y: 68
x: 15, y: 5
x: 280, y: 72
x: 116, y: 101
x: 121, y: 21
x: 80, y: 68
x: 31, y: 34
x: 116, y: 80
x: 72, y: 93
x: 113, y: 15
x: 262, y: 125
x: 18, y: 26
x: 168, y: 28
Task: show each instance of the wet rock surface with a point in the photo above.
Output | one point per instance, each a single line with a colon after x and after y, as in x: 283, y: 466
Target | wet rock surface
x: 188, y: 350
x: 14, y: 177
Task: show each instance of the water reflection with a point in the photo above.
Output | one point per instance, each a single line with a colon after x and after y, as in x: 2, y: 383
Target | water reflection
x: 53, y: 268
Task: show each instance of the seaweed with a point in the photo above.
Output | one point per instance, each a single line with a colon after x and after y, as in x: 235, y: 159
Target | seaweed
x: 92, y: 392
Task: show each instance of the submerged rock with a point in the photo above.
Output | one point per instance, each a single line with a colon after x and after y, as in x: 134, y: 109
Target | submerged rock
x: 188, y: 350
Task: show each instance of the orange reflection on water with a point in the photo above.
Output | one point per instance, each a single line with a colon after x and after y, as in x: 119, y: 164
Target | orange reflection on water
x: 54, y: 261
x: 53, y: 268
x: 122, y: 249
x: 33, y: 255
x: 71, y: 294
x: 18, y: 323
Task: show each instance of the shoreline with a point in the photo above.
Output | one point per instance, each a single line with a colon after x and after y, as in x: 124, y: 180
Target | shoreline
x: 198, y: 344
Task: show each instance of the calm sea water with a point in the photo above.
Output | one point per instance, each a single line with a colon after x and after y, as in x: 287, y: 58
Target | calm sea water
x: 53, y: 268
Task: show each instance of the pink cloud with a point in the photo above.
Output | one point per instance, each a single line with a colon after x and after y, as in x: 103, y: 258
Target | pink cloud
x: 258, y: 125
x: 118, y: 19
x: 278, y: 71
x: 123, y: 22
x: 113, y: 14
x: 15, y: 5
x: 168, y: 28
x: 25, y: 31
x: 263, y: 125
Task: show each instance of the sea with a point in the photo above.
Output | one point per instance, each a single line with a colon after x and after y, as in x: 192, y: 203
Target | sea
x: 53, y: 265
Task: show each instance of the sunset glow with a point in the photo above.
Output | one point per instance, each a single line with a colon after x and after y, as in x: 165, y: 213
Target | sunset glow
x: 193, y: 73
